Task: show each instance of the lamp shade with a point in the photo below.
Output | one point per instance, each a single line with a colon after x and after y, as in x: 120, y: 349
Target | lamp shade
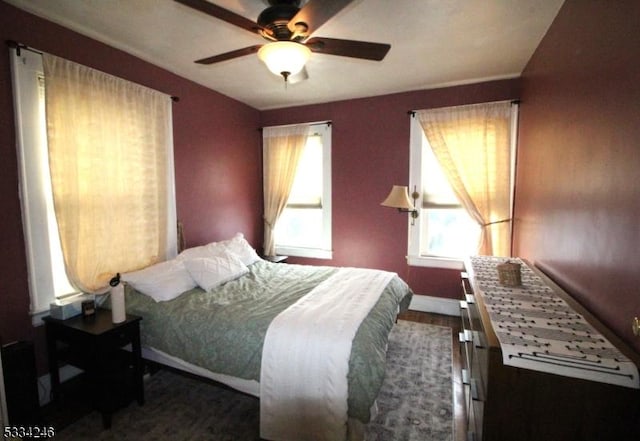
x: 284, y: 57
x: 398, y: 198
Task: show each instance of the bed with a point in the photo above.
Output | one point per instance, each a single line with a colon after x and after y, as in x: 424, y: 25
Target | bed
x: 217, y: 330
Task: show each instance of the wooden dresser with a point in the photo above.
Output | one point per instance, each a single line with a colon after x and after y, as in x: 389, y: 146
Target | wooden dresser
x: 525, y: 388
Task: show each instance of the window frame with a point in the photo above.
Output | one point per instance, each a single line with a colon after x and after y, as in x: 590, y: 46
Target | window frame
x: 322, y: 129
x: 414, y: 258
x: 27, y: 71
x: 31, y: 146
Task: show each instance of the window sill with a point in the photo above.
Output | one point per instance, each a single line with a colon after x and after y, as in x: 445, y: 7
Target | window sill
x: 36, y: 318
x: 313, y: 253
x: 436, y: 262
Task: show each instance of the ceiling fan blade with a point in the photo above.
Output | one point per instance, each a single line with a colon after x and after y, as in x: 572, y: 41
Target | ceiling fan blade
x: 224, y: 14
x: 229, y: 55
x: 349, y: 48
x: 300, y: 76
x: 316, y: 13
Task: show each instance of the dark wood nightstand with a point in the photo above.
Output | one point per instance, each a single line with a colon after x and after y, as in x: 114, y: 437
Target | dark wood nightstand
x: 94, y: 344
x: 276, y: 259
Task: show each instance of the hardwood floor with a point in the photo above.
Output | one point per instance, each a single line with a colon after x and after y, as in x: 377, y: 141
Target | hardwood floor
x: 453, y: 322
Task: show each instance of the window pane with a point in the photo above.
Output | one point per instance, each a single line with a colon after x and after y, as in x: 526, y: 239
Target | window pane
x: 307, y: 186
x: 300, y: 227
x: 449, y: 233
x: 304, y: 227
x: 435, y: 186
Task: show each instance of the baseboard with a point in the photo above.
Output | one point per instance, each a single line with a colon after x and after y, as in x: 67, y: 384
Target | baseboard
x: 44, y: 382
x: 436, y: 305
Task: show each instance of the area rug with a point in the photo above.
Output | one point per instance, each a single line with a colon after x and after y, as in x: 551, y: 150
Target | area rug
x: 415, y: 402
x: 416, y: 399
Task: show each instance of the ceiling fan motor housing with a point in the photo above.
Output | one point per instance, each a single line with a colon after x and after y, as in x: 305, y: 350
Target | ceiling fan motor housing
x: 276, y: 17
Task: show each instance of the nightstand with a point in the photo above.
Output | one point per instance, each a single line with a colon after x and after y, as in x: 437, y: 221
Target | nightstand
x: 94, y: 344
x: 276, y: 259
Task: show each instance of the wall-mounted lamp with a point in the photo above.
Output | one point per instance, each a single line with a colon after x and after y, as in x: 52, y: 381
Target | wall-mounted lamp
x: 399, y: 198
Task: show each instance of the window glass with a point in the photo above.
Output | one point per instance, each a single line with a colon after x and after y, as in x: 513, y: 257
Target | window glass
x: 435, y: 187
x: 447, y: 229
x: 307, y: 186
x: 449, y: 232
x: 304, y: 227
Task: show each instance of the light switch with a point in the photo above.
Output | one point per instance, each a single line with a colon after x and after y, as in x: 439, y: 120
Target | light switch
x: 636, y: 327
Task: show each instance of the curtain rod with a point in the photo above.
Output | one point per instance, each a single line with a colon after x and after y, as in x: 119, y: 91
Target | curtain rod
x: 20, y: 46
x: 413, y: 112
x: 317, y: 123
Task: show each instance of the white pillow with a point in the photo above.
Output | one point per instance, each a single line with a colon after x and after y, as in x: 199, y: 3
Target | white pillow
x: 239, y: 246
x: 212, y: 249
x: 211, y: 272
x: 162, y: 281
x: 192, y: 253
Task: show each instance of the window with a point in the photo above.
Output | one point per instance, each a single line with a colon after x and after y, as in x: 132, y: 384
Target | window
x: 45, y: 263
x: 304, y: 227
x: 445, y: 232
x: 47, y: 276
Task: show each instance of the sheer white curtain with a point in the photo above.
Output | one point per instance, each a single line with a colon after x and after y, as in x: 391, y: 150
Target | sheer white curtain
x: 473, y: 147
x: 282, y: 149
x: 111, y: 160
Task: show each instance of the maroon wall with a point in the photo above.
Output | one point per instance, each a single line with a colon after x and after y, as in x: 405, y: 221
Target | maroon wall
x: 370, y: 153
x: 217, y: 156
x: 578, y: 193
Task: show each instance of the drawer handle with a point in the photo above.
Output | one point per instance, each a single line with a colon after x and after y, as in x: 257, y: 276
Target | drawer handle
x: 464, y: 287
x: 476, y: 340
x: 465, y: 336
x: 468, y: 335
x: 475, y: 392
x: 465, y: 376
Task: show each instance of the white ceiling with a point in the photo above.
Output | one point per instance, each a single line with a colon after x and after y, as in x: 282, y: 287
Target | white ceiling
x: 433, y: 43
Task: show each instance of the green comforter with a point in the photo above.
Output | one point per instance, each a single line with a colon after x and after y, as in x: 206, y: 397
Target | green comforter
x: 223, y: 330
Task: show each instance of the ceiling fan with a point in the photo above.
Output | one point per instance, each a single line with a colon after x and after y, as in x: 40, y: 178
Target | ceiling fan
x: 287, y: 28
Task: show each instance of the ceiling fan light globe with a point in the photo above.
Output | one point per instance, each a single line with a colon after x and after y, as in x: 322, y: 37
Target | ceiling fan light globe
x: 284, y: 56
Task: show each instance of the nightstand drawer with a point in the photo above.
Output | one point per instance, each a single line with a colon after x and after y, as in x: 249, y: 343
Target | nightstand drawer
x: 119, y: 337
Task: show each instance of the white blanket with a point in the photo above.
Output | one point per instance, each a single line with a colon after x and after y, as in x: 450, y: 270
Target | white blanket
x: 305, y: 358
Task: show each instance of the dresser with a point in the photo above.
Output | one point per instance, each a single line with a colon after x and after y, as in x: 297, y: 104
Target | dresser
x: 538, y: 366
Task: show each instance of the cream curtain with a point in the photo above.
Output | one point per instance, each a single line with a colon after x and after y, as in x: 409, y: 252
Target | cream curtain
x: 282, y: 149
x: 110, y: 143
x: 473, y: 146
